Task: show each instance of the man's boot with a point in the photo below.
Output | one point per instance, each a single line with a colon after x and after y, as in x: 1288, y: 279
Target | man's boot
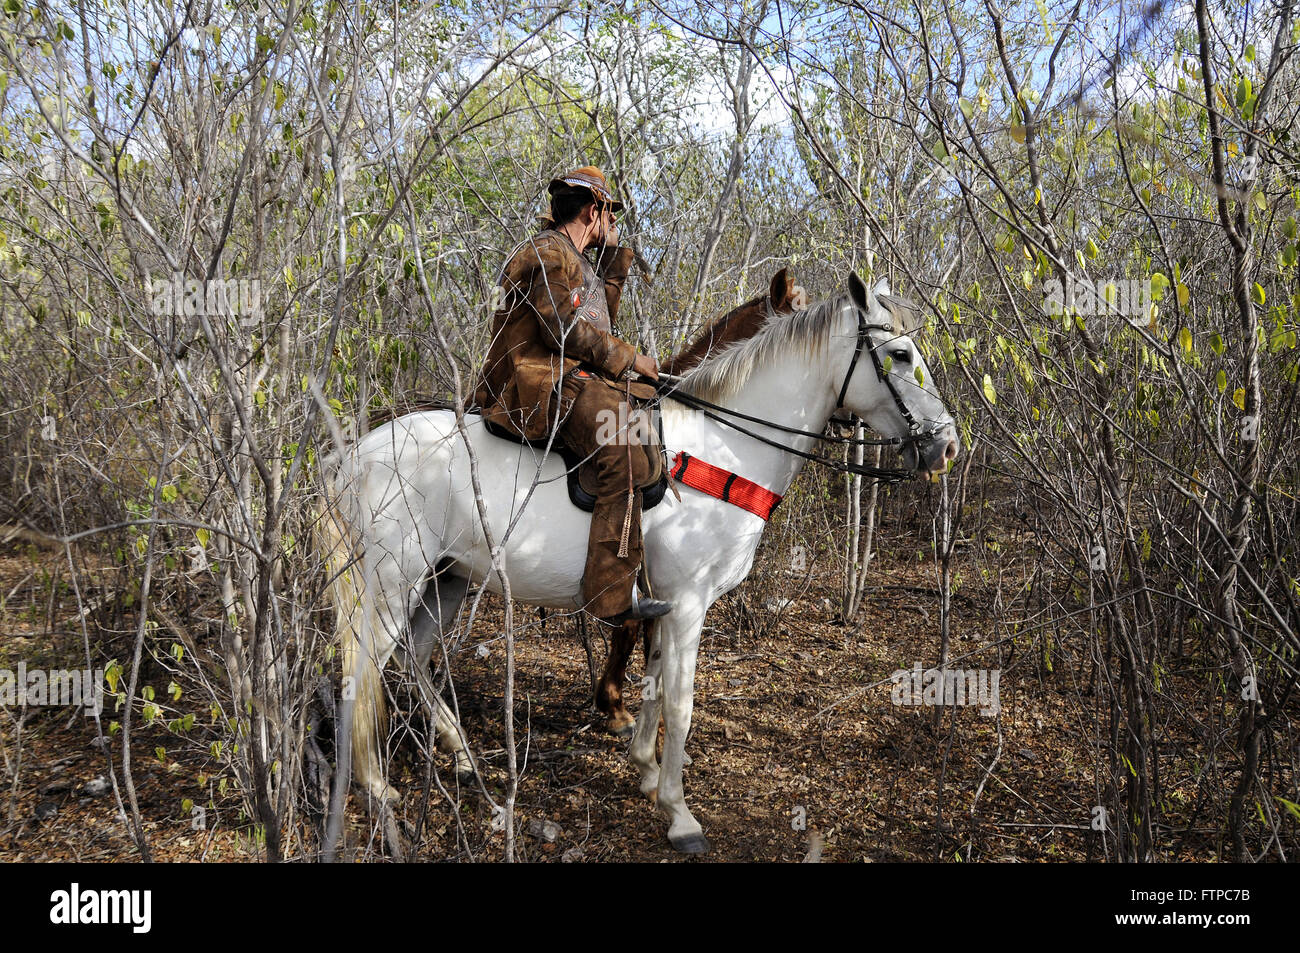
x: 642, y: 608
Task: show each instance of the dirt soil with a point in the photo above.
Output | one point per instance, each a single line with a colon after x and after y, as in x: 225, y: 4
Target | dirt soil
x: 797, y: 747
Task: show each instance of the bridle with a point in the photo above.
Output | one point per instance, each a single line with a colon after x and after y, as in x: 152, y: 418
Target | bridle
x: 886, y: 475
x: 864, y: 341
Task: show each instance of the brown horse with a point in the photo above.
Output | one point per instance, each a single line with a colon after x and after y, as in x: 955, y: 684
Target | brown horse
x: 783, y: 297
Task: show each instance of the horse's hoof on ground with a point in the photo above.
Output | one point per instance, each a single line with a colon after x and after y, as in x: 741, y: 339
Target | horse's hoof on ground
x: 465, y: 775
x: 690, y: 843
x: 626, y: 730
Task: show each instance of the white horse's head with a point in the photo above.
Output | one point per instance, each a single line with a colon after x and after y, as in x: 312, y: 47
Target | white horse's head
x: 884, y: 379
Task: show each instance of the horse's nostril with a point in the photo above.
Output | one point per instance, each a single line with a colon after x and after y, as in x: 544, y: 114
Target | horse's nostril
x: 950, y: 451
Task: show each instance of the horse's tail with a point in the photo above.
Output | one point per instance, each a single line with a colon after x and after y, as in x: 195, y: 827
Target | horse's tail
x: 361, y: 709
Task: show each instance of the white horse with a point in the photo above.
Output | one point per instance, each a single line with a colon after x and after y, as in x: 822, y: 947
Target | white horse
x: 406, y: 508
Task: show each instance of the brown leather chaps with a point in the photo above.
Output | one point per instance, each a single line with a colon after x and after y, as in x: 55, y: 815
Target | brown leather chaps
x: 599, y: 424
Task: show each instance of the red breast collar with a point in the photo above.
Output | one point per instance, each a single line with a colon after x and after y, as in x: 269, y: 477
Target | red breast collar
x: 723, y: 485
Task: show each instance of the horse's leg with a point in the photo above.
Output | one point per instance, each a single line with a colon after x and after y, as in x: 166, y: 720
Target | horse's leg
x: 361, y: 602
x: 642, y: 750
x: 439, y: 603
x: 679, y: 643
x: 609, y: 693
x: 645, y: 652
x: 379, y: 639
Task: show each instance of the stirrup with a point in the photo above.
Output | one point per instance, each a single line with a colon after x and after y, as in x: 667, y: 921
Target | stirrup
x: 642, y: 609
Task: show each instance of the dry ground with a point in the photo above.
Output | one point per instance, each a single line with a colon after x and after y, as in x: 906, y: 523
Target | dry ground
x: 787, y: 729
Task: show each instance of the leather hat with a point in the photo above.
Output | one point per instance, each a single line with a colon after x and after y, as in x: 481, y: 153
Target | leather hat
x: 587, y: 178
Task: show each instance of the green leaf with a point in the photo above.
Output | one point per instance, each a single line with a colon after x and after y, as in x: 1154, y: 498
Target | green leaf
x: 1258, y: 294
x: 1216, y: 343
x: 1221, y: 379
x: 1185, y: 339
x: 990, y: 394
x: 1292, y: 807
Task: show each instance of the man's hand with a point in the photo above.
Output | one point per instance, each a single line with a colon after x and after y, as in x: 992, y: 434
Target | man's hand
x: 646, y: 366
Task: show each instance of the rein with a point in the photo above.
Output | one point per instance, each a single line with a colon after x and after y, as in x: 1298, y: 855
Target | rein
x: 881, y: 474
x: 876, y: 473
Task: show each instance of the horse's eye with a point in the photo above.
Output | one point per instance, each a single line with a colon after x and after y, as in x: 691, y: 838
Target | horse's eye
x: 901, y: 355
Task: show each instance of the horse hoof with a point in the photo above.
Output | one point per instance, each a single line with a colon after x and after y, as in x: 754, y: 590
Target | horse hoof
x: 625, y: 731
x: 690, y: 843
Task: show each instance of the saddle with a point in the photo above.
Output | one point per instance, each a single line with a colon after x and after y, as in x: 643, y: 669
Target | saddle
x: 580, y: 471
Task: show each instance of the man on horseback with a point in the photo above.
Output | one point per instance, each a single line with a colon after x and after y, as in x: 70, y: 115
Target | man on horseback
x: 556, y: 367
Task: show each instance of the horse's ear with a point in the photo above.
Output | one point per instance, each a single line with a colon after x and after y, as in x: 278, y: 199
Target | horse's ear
x: 780, y: 291
x: 858, y: 291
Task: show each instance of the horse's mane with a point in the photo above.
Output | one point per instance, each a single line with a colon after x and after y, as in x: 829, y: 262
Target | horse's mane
x: 727, y: 371
x: 722, y: 374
